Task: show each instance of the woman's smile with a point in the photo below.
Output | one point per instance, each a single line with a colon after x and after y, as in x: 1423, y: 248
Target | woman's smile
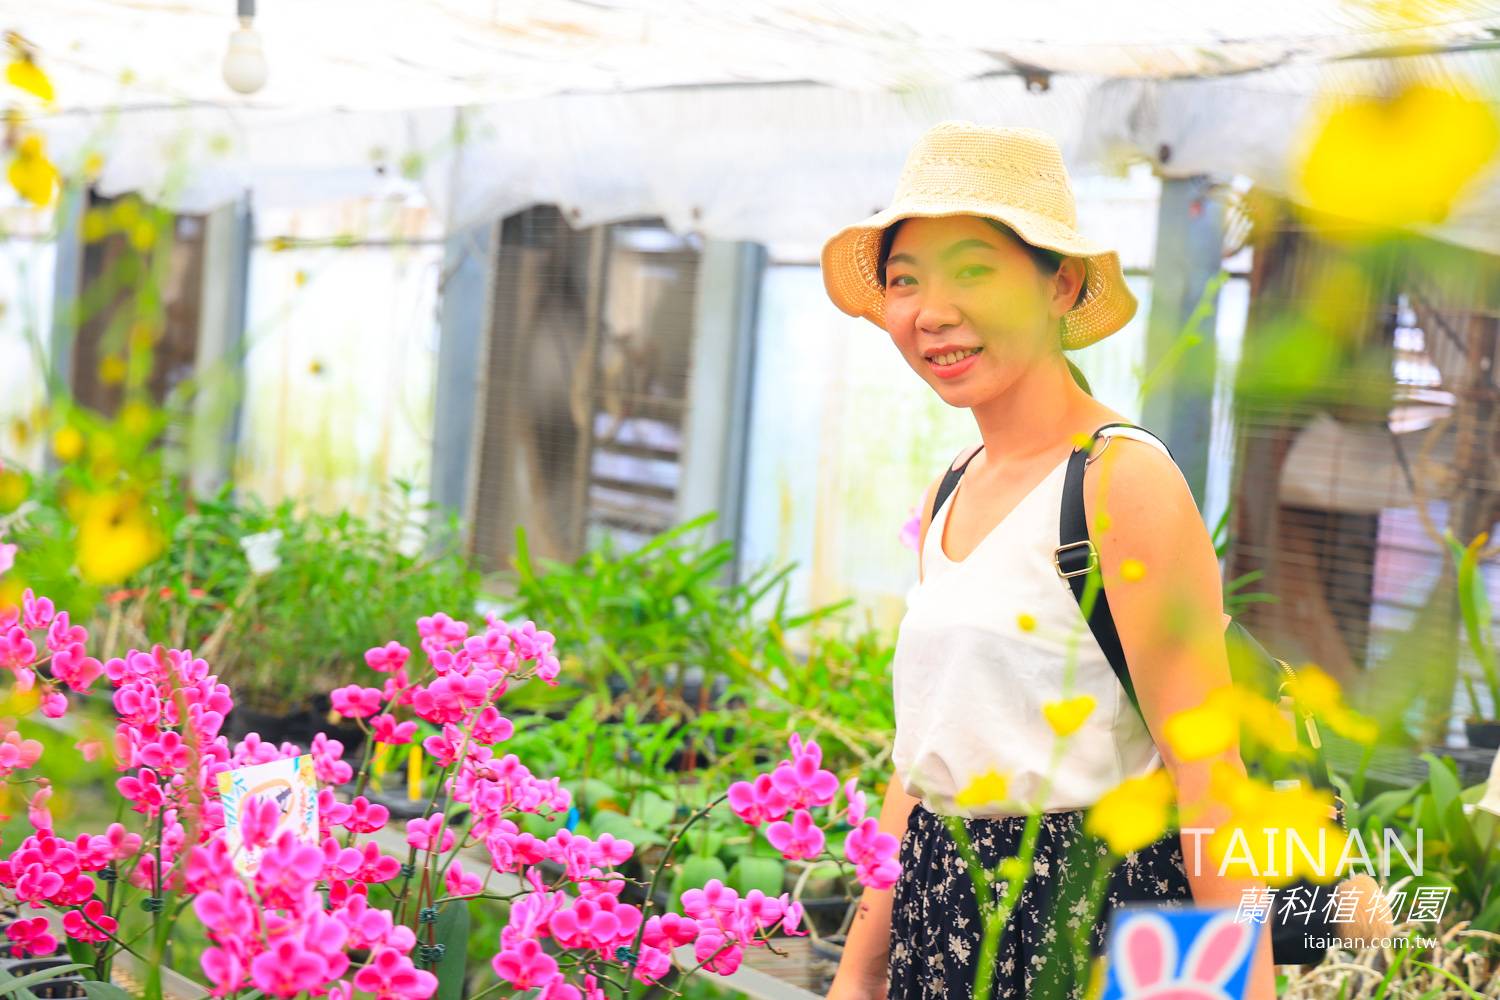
x: 955, y: 363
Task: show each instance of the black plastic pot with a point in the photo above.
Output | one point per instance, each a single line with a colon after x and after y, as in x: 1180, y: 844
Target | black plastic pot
x: 1483, y: 733
x: 69, y: 984
x: 295, y: 725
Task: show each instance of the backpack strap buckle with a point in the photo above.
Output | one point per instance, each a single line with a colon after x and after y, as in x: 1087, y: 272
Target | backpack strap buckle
x: 1089, y: 566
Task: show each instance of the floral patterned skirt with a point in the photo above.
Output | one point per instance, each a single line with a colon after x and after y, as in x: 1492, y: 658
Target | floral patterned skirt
x: 936, y: 930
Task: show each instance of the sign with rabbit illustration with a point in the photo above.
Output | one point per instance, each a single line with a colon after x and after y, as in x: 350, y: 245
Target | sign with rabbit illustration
x: 1178, y: 953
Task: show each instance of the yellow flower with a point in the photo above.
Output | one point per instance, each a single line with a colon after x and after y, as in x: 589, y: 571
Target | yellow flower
x: 32, y: 174
x: 1300, y: 815
x: 12, y: 490
x: 143, y: 235
x: 1132, y: 570
x: 95, y: 225
x: 300, y: 277
x: 1398, y: 161
x: 67, y: 443
x: 1025, y: 622
x: 116, y: 537
x: 1266, y: 724
x: 1066, y: 716
x: 135, y: 418
x: 28, y: 76
x: 989, y: 788
x: 1132, y: 814
x: 1206, y: 730
x: 1318, y: 693
x: 93, y: 165
x: 112, y: 369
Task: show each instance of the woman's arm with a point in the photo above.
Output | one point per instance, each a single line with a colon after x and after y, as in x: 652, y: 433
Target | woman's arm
x: 1171, y: 625
x: 862, y: 968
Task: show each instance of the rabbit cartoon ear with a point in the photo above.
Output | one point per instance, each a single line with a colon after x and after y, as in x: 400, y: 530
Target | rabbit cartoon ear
x: 1145, y: 953
x: 1219, y: 950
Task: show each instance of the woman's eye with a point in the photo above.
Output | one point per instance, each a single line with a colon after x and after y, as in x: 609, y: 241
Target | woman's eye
x: 973, y: 271
x: 900, y: 281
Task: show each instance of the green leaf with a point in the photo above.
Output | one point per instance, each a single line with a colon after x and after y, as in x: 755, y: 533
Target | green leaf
x: 696, y: 872
x: 105, y: 991
x: 766, y: 874
x: 623, y: 828
x: 452, y: 932
x: 14, y: 986
x: 653, y: 811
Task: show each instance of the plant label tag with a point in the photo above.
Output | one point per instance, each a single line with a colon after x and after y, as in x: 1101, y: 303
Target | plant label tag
x: 290, y: 783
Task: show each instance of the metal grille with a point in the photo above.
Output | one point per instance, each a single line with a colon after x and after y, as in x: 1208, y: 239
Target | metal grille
x: 1345, y: 483
x: 586, y: 385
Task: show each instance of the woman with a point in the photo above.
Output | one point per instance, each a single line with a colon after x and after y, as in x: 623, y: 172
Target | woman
x: 980, y: 278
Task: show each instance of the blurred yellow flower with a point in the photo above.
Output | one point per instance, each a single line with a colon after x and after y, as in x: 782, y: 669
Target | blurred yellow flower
x: 1025, y: 622
x: 1205, y: 730
x: 1265, y: 723
x: 1133, y: 813
x: 67, y: 443
x: 93, y: 165
x: 116, y: 537
x: 112, y: 369
x: 135, y: 418
x: 1067, y: 715
x: 28, y: 76
x: 1397, y: 161
x: 12, y: 490
x: 95, y: 225
x: 143, y: 235
x: 125, y: 213
x: 1271, y: 832
x: 989, y: 788
x: 32, y: 174
x: 300, y: 277
x: 1318, y: 693
x: 1132, y: 570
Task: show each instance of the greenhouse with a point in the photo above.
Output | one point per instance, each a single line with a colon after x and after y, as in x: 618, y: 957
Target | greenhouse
x: 514, y: 499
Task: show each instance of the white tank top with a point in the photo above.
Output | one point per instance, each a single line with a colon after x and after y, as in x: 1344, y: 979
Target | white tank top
x: 970, y: 681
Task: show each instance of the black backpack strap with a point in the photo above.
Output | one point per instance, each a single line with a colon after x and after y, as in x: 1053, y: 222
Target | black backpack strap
x: 950, y: 480
x: 1077, y: 557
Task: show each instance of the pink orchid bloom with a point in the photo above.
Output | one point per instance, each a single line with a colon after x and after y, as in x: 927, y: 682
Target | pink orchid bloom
x: 355, y: 702
x: 873, y: 853
x: 387, y: 659
x: 391, y: 976
x: 90, y: 924
x: 525, y: 965
x: 30, y: 937
x: 386, y: 729
x: 799, y: 839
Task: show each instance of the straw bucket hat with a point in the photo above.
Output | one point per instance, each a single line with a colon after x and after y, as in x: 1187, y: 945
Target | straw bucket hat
x: 1012, y: 175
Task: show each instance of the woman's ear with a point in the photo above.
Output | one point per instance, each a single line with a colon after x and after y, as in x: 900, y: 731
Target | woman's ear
x: 1068, y: 284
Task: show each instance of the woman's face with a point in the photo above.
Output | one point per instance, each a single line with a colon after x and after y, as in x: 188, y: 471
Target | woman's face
x: 957, y: 283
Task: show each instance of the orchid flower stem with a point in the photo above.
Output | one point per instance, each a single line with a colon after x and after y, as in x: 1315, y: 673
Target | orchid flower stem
x: 666, y: 858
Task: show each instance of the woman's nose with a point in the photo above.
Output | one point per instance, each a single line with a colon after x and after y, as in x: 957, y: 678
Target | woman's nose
x: 936, y: 312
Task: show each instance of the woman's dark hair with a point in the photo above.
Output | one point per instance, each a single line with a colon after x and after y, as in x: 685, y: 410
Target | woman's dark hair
x: 1046, y: 261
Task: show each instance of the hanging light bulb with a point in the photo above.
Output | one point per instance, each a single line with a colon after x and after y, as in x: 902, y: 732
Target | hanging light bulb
x: 245, y: 61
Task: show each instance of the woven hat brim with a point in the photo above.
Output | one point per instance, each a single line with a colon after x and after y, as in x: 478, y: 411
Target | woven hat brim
x: 851, y: 259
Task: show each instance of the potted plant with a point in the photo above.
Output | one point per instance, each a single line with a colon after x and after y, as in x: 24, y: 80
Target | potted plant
x: 1482, y: 727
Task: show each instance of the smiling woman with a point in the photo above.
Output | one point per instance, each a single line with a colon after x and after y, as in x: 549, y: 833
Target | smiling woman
x: 1010, y: 723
